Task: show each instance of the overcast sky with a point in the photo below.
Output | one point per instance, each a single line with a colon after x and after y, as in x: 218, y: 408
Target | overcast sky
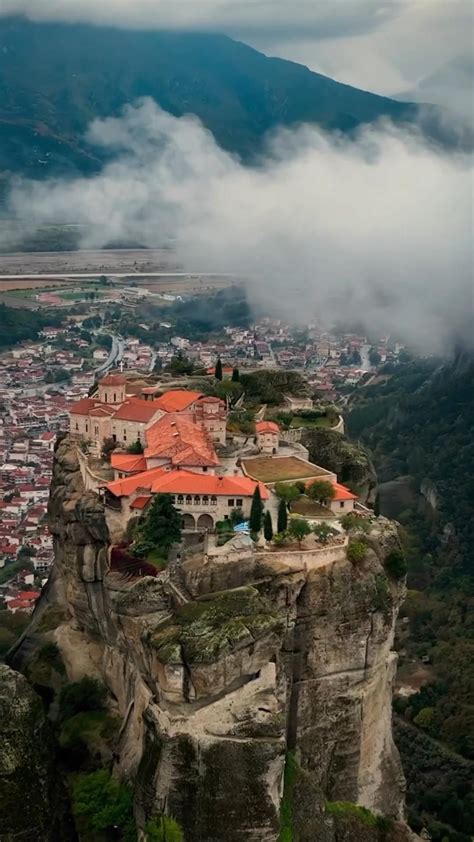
x: 388, y: 46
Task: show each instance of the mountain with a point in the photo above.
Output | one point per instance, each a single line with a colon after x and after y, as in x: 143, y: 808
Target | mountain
x: 55, y: 78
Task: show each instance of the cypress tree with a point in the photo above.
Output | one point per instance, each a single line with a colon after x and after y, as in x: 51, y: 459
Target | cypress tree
x: 268, y: 526
x: 282, y: 516
x: 218, y: 371
x: 235, y: 375
x: 256, y: 511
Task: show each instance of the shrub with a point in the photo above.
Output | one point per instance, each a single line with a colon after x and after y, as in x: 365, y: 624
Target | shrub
x: 279, y: 538
x: 395, y: 564
x: 349, y: 522
x: 299, y: 529
x: 104, y: 804
x: 324, y: 532
x: 356, y: 552
x: 86, y: 694
x: 164, y: 829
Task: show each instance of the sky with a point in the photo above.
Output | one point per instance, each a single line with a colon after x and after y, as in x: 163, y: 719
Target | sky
x: 416, y: 47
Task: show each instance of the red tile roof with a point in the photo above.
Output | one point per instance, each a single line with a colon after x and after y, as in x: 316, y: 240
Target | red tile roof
x: 83, y: 407
x: 159, y: 481
x: 141, y: 502
x: 177, y: 400
x: 267, y: 427
x: 178, y: 438
x: 135, y: 409
x: 343, y: 493
x: 128, y: 462
x: 113, y: 380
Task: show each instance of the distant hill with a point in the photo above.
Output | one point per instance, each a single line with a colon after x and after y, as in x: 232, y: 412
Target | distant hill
x: 55, y: 78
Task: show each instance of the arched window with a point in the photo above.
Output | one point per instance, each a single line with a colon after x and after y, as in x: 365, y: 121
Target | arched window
x: 213, y: 500
x: 197, y: 499
x: 180, y: 498
x: 115, y: 398
x: 205, y: 500
x: 105, y: 397
x: 189, y: 499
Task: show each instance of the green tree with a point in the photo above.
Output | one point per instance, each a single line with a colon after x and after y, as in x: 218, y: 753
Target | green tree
x: 236, y: 516
x: 164, y: 829
x: 299, y: 529
x: 236, y: 375
x: 180, y: 364
x: 287, y: 492
x: 136, y: 447
x: 356, y: 552
x: 395, y: 564
x: 104, y: 804
x: 162, y: 526
x: 108, y: 446
x: 268, y: 526
x: 374, y: 357
x: 324, y: 532
x: 256, y: 511
x: 282, y: 516
x: 218, y: 371
x: 79, y: 696
x: 322, y: 491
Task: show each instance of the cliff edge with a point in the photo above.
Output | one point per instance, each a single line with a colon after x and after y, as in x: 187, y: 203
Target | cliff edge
x: 225, y: 667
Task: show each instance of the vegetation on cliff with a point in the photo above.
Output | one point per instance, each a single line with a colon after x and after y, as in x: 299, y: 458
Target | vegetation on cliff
x: 418, y: 426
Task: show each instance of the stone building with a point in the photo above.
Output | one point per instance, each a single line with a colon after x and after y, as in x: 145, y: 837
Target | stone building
x: 268, y: 436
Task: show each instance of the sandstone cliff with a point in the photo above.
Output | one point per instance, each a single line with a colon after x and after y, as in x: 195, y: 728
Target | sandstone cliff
x: 223, y: 667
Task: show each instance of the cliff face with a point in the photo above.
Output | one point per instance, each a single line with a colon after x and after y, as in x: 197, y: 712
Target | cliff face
x: 225, y: 664
x: 30, y: 798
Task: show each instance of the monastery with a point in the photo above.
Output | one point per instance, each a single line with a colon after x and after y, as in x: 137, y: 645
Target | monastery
x: 178, y: 432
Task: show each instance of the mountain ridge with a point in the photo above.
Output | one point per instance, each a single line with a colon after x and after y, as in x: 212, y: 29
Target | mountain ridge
x: 81, y: 72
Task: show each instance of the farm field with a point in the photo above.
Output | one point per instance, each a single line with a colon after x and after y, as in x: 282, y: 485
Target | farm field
x: 269, y: 469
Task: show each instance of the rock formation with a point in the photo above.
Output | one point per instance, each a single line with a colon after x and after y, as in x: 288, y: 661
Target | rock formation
x: 226, y: 665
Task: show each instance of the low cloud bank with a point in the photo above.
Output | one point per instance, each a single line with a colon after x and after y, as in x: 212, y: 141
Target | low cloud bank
x: 376, y: 229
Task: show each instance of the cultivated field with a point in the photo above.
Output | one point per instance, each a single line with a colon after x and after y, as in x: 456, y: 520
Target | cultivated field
x: 271, y: 469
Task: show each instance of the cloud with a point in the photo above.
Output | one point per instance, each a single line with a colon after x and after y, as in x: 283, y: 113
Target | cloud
x: 376, y: 229
x: 324, y: 18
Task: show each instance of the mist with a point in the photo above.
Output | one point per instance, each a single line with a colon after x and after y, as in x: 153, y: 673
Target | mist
x: 376, y: 228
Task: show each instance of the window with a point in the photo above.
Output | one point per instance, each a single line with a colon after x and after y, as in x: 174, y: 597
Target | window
x: 115, y: 398
x: 77, y: 425
x: 139, y: 435
x: 87, y: 428
x: 205, y: 500
x: 180, y: 498
x: 125, y: 435
x: 197, y: 500
x: 204, y: 470
x: 189, y: 499
x: 114, y: 437
x: 239, y: 503
x: 341, y: 505
x: 213, y: 500
x: 230, y: 502
x: 173, y: 499
x: 96, y: 431
x: 105, y: 397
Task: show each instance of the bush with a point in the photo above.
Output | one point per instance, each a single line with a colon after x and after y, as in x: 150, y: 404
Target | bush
x: 279, y: 538
x: 395, y: 564
x: 164, y: 829
x: 86, y: 694
x: 104, y: 804
x: 324, y: 532
x: 299, y: 529
x: 356, y: 552
x: 349, y: 522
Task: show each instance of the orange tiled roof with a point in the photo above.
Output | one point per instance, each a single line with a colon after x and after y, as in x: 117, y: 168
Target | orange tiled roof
x: 113, y: 380
x: 159, y: 481
x: 83, y: 407
x: 128, y: 462
x: 141, y: 502
x: 178, y: 438
x: 135, y: 409
x: 128, y: 485
x: 267, y: 427
x: 343, y: 493
x: 176, y: 400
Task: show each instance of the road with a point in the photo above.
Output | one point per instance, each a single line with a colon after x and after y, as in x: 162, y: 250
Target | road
x: 115, y: 356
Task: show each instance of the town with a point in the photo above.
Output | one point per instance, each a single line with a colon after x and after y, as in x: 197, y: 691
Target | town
x: 157, y: 411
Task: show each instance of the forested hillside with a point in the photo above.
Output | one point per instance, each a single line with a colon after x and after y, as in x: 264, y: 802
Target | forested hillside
x: 419, y: 428
x: 82, y: 72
